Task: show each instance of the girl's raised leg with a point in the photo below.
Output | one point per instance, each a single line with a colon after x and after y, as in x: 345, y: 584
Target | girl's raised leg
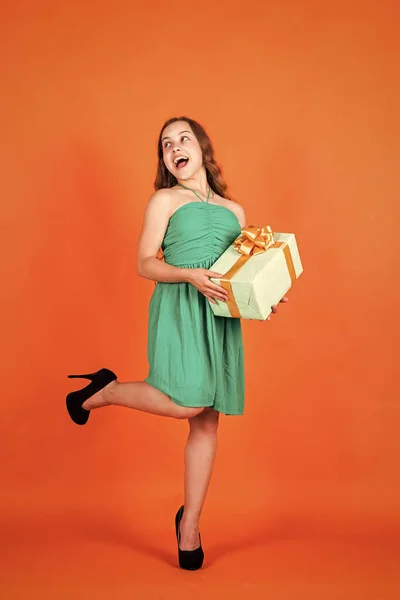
x: 140, y: 396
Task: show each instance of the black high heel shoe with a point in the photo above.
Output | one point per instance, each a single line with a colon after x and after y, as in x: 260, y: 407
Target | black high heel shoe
x: 188, y: 559
x: 75, y: 399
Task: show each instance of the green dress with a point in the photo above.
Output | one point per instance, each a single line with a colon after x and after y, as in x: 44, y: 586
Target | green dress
x: 194, y: 356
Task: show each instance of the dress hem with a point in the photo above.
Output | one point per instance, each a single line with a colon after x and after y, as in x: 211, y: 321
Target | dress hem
x: 164, y: 390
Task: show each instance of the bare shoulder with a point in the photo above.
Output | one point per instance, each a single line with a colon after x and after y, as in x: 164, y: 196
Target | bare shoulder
x: 236, y: 208
x: 240, y: 213
x: 165, y: 200
x: 160, y: 199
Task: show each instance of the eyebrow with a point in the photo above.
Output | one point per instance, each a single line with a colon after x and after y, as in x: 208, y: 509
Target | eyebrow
x: 168, y: 138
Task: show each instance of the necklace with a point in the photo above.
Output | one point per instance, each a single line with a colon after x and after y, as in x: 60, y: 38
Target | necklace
x: 190, y: 190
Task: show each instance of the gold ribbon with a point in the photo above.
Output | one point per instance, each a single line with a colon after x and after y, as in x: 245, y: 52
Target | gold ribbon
x: 253, y: 240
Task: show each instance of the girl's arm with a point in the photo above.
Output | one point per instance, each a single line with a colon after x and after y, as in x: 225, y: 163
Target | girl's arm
x: 155, y: 223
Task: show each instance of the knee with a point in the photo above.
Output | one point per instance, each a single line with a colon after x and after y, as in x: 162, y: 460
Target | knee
x: 205, y: 422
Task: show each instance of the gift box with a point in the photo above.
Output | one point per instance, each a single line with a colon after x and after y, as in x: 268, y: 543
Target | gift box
x: 258, y: 269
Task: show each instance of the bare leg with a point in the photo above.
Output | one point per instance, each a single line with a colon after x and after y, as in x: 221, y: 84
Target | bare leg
x: 199, y: 461
x: 140, y: 396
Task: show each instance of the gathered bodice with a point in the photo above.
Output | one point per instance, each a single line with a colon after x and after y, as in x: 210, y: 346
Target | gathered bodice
x: 198, y: 233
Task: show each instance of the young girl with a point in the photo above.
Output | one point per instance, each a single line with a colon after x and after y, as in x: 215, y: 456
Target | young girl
x: 196, y: 368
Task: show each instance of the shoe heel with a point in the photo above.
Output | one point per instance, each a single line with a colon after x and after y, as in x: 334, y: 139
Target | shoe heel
x: 86, y: 376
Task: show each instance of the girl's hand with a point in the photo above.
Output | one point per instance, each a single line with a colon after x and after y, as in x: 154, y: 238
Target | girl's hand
x: 200, y: 278
x: 275, y: 308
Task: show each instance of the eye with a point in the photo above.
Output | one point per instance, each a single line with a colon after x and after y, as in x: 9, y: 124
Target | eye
x: 166, y: 144
x: 183, y: 137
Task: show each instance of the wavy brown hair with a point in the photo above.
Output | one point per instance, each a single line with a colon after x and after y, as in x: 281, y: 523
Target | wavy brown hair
x: 165, y: 179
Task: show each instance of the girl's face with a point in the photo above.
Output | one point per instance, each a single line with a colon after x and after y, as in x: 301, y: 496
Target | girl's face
x: 181, y: 151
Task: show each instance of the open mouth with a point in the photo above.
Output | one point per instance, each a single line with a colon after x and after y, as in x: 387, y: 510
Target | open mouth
x: 181, y: 162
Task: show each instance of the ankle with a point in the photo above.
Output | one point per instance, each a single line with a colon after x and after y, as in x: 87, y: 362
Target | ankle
x: 109, y: 391
x: 191, y: 519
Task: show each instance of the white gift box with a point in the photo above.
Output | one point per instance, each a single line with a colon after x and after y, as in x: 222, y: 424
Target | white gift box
x: 258, y: 281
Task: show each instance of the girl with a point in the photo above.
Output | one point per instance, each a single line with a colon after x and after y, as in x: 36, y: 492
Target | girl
x: 196, y: 368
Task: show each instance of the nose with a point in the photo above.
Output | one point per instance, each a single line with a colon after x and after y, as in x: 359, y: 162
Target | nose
x: 177, y: 148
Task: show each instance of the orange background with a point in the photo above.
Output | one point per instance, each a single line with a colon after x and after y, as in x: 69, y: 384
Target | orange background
x: 301, y: 101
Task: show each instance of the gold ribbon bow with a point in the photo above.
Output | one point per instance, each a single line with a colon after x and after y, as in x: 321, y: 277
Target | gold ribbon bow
x: 253, y: 240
